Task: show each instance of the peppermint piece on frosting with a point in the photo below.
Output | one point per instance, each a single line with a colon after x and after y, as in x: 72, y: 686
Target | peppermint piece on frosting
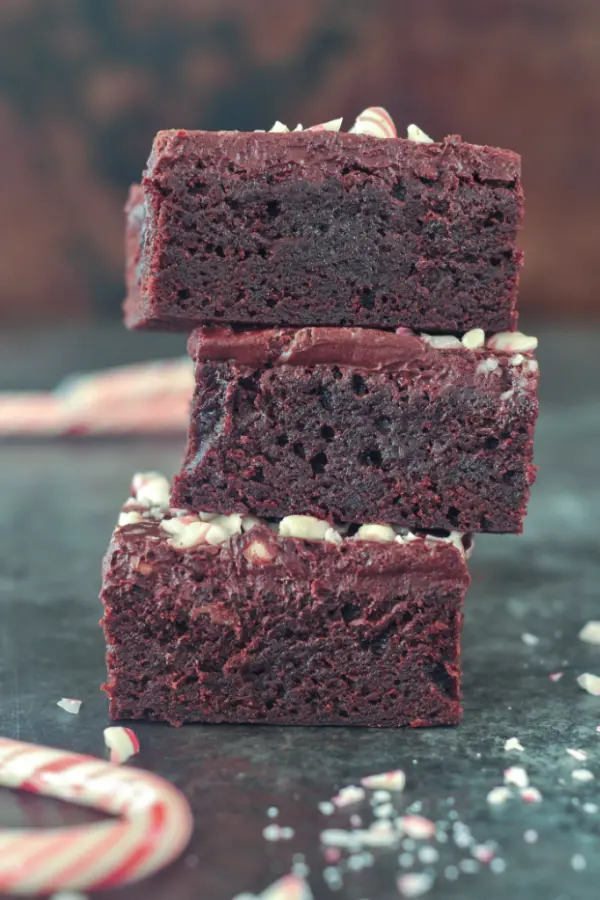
x: 414, y: 133
x: 376, y: 122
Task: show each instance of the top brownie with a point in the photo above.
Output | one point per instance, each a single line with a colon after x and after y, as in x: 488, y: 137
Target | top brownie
x: 323, y: 228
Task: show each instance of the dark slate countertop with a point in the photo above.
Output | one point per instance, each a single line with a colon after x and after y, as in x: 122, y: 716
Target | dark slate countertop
x: 58, y: 503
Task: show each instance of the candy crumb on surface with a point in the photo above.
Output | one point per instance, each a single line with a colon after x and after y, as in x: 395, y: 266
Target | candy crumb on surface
x: 582, y: 775
x: 530, y: 639
x: 514, y: 744
x: 123, y: 743
x: 394, y: 780
x: 499, y: 795
x: 516, y: 775
x: 69, y: 705
x: 589, y: 683
x: 531, y: 795
x: 414, y: 884
x: 348, y: 795
x: 579, y: 755
x: 590, y: 633
x: 556, y: 676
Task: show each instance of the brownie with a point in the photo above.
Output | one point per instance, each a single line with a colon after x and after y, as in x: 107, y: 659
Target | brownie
x: 324, y: 228
x: 228, y: 620
x: 362, y: 425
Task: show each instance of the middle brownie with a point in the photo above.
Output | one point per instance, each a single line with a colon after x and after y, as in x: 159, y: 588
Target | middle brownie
x: 351, y: 424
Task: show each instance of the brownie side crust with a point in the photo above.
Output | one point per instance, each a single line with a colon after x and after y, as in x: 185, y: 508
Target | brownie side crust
x: 263, y: 628
x: 319, y: 228
x: 352, y: 425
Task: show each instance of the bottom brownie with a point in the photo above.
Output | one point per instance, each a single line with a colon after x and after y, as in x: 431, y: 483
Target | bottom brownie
x: 221, y: 619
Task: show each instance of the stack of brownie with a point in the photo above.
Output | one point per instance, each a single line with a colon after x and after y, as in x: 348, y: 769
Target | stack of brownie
x: 363, y: 404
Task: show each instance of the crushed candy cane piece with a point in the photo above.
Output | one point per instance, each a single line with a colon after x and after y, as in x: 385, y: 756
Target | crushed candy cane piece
x: 589, y: 683
x: 530, y: 639
x: 530, y: 836
x: 473, y: 339
x: 516, y: 775
x: 332, y: 125
x: 70, y: 706
x: 483, y: 852
x: 376, y: 122
x: 276, y: 832
x: 414, y: 133
x: 414, y: 884
x: 582, y: 775
x: 590, y: 633
x: 417, y: 827
x: 556, y: 676
x: 514, y: 744
x: 590, y: 807
x: 123, y: 743
x: 579, y: 755
x: 578, y: 862
x: 512, y: 342
x: 531, y: 795
x: 326, y: 807
x: 499, y: 795
x: 290, y: 887
x: 278, y: 128
x: 348, y: 795
x: 395, y: 780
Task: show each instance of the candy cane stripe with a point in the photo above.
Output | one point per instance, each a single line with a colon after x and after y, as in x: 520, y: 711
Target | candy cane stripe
x: 154, y: 826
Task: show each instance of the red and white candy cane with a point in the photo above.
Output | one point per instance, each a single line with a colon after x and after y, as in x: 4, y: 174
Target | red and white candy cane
x: 154, y: 823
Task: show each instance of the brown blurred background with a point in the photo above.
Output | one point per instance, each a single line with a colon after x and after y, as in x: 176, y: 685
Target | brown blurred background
x: 84, y: 84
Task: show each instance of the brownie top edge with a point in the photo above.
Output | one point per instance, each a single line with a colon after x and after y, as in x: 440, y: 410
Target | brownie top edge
x: 257, y: 151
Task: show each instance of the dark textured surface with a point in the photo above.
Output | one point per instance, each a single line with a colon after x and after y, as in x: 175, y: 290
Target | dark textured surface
x: 281, y: 631
x: 319, y: 228
x: 425, y: 438
x: 58, y: 507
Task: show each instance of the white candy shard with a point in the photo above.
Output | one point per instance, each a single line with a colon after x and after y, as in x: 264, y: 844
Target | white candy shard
x: 512, y: 342
x: 530, y: 639
x: 516, y: 775
x: 417, y: 827
x: 278, y: 128
x: 374, y: 532
x: 129, y: 518
x: 257, y: 552
x: 332, y: 125
x: 516, y: 360
x: 582, y: 775
x: 487, y: 365
x: 70, y: 706
x: 249, y: 522
x: 499, y: 795
x: 332, y: 536
x: 590, y: 633
x: 395, y: 780
x: 304, y: 527
x: 376, y: 122
x: 216, y: 535
x: 348, y: 795
x: 123, y: 743
x: 150, y: 489
x: 514, y: 744
x: 441, y: 341
x: 579, y: 755
x: 474, y: 339
x: 414, y: 884
x: 589, y: 683
x: 414, y: 133
x: 185, y: 534
x: 231, y: 524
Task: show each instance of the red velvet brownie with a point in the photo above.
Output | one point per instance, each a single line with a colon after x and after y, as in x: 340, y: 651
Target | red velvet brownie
x: 362, y: 425
x: 224, y: 619
x: 323, y: 228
